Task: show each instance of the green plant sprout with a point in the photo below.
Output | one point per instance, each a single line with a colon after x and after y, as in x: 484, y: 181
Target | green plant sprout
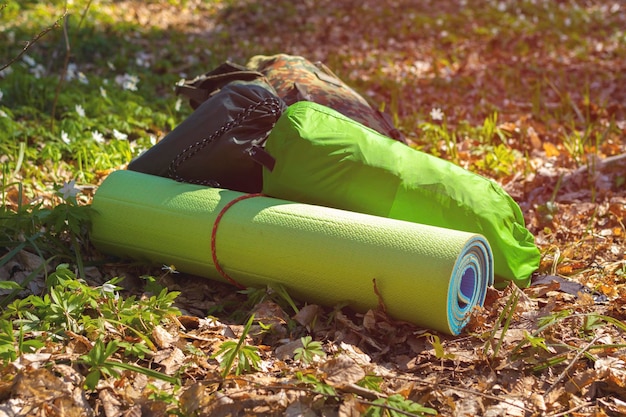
x: 309, y: 350
x: 246, y: 356
x: 395, y: 406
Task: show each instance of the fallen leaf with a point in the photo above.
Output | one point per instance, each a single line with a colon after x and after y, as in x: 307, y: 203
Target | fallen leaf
x: 342, y: 370
x: 171, y: 360
x: 550, y: 150
x: 162, y: 338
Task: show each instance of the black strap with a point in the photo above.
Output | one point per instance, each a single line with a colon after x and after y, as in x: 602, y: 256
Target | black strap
x: 200, y: 88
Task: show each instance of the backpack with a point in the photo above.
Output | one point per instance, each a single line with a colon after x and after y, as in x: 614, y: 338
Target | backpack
x: 220, y: 144
x: 294, y: 79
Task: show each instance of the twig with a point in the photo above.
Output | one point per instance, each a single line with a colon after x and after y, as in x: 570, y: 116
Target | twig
x: 362, y: 391
x: 381, y: 302
x: 82, y: 16
x: 600, y: 164
x: 467, y: 391
x: 33, y: 41
x: 569, y: 367
x: 488, y: 396
x: 571, y: 410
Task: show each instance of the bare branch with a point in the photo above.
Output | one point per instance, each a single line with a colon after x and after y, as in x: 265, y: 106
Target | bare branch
x: 30, y: 43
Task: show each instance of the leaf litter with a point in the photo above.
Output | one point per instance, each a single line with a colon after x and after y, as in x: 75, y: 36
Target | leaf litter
x: 561, y: 350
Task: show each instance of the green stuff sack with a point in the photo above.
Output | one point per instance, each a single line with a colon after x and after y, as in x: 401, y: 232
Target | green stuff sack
x: 327, y: 159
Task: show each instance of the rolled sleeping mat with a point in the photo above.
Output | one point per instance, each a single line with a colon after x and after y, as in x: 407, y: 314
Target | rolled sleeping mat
x: 430, y: 276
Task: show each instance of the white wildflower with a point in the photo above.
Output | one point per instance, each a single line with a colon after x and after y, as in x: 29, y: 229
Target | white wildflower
x: 171, y: 269
x: 82, y: 78
x: 177, y: 105
x: 103, y: 92
x: 97, y: 136
x: 79, y: 110
x: 436, y: 113
x: 38, y: 71
x: 6, y: 72
x: 3, y: 114
x: 70, y: 73
x: 109, y: 289
x: 65, y: 137
x: 69, y: 190
x: 30, y: 61
x: 119, y: 135
x: 153, y: 140
x: 127, y: 82
x: 143, y: 59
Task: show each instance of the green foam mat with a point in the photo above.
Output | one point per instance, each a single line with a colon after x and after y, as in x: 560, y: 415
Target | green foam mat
x: 426, y: 275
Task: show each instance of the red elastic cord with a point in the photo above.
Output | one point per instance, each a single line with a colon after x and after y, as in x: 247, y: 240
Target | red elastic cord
x: 214, y: 234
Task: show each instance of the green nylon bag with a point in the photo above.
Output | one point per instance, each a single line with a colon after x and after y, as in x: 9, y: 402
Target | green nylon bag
x: 325, y: 158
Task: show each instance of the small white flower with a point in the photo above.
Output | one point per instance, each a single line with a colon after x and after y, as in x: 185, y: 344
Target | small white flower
x: 69, y: 190
x: 38, y: 71
x: 97, y: 136
x: 103, y: 92
x: 6, y: 71
x: 143, y: 59
x: 79, y: 110
x: 30, y: 61
x: 127, y: 82
x: 152, y: 139
x: 177, y: 105
x: 171, y: 269
x: 71, y: 71
x: 119, y: 135
x: 82, y: 78
x: 3, y: 114
x: 109, y: 289
x: 436, y: 113
x: 65, y: 137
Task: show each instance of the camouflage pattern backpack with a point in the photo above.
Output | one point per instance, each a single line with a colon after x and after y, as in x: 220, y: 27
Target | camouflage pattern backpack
x: 293, y: 79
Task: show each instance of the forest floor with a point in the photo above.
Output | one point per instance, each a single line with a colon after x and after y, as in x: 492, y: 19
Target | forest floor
x: 533, y: 95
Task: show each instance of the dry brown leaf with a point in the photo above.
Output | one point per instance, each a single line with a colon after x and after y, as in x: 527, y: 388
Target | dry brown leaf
x: 197, y: 396
x: 580, y: 381
x: 550, y: 150
x: 342, y: 370
x: 110, y: 403
x: 171, y: 360
x: 162, y: 338
x: 286, y: 350
x: 534, y: 138
x: 350, y: 407
x: 307, y: 315
x: 511, y: 408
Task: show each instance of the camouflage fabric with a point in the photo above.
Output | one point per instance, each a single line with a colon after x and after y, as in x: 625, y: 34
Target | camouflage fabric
x: 293, y: 79
x: 297, y: 79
